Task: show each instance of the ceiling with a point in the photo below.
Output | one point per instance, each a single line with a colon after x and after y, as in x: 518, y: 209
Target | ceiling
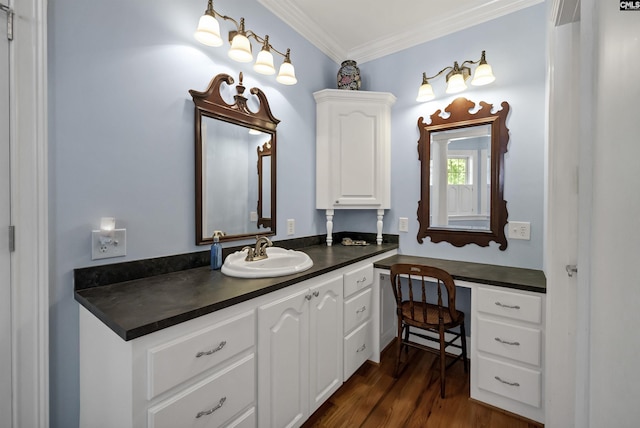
x: 364, y: 30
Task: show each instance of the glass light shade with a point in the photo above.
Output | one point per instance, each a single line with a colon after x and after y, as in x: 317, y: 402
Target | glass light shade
x: 287, y: 74
x: 208, y: 32
x: 455, y: 84
x: 425, y: 93
x: 264, y: 63
x: 483, y: 75
x: 240, y: 49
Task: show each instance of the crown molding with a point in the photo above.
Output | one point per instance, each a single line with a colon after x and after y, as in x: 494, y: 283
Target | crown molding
x: 291, y: 14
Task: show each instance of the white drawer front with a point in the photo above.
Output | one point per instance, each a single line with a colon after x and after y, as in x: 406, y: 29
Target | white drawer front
x: 211, y: 402
x: 357, y: 309
x: 174, y: 362
x: 246, y: 420
x: 358, y: 348
x: 357, y: 280
x: 523, y: 307
x: 511, y: 341
x: 511, y: 381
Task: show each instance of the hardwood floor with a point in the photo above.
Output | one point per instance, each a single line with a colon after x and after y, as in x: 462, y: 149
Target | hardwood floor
x: 372, y: 398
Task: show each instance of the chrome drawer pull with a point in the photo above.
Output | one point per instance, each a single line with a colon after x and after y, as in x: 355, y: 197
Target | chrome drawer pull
x: 364, y: 279
x: 507, y: 383
x: 506, y: 342
x: 220, y: 346
x: 362, y: 309
x: 362, y: 348
x: 208, y: 412
x: 502, y: 305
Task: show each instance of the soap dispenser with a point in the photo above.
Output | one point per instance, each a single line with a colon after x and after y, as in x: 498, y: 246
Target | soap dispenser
x: 216, y: 250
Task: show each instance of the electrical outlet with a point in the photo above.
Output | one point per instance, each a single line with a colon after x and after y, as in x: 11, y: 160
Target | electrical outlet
x: 519, y: 230
x: 253, y: 216
x: 291, y: 226
x: 105, y: 245
x: 403, y: 224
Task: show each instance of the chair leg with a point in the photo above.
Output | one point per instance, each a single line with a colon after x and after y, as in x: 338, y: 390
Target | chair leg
x: 396, y: 371
x: 463, y: 338
x: 442, y: 361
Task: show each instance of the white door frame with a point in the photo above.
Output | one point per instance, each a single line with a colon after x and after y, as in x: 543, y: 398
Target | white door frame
x: 29, y: 212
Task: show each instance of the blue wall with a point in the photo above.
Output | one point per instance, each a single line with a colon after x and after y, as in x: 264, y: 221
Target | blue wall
x: 516, y: 49
x: 121, y: 137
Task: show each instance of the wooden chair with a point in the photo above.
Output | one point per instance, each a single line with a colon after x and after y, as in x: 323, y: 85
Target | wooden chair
x: 414, y: 312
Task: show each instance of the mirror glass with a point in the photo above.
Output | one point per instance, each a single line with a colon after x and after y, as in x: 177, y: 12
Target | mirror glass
x: 235, y: 162
x: 232, y: 180
x: 460, y: 178
x: 462, y: 174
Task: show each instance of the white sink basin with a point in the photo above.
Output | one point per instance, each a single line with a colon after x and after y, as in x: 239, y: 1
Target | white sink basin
x: 279, y: 262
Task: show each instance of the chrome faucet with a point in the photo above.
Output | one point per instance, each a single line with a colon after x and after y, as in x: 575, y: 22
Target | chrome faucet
x: 259, y: 251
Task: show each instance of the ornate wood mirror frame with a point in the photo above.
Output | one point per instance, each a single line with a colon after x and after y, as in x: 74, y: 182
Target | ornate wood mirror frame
x: 210, y: 104
x: 458, y: 120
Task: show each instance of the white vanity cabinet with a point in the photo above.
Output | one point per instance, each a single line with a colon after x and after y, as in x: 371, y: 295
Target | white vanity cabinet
x: 507, y: 356
x: 358, y: 328
x: 300, y: 351
x: 198, y: 373
x: 353, y: 153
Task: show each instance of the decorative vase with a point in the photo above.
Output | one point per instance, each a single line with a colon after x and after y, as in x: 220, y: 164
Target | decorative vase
x: 349, y: 76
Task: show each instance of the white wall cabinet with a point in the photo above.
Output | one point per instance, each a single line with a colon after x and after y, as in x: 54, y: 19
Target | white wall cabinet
x: 353, y: 153
x: 300, y: 352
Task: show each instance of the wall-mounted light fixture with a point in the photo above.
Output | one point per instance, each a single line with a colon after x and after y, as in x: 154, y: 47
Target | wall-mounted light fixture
x: 456, y: 78
x: 208, y: 33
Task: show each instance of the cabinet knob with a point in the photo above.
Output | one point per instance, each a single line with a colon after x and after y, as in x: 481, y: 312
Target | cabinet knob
x: 316, y: 293
x: 308, y: 297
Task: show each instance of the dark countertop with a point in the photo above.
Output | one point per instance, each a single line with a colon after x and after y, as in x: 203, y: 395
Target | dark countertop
x: 502, y: 276
x: 141, y: 306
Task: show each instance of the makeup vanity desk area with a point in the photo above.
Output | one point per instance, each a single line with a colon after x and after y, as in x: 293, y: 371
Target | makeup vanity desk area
x: 507, y: 329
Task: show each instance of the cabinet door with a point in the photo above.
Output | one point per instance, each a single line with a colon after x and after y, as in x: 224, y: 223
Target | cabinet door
x: 283, y: 361
x: 325, y: 336
x: 358, y: 167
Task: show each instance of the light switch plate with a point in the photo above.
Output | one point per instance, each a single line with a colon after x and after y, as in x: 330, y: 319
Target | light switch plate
x: 105, y: 246
x: 519, y: 230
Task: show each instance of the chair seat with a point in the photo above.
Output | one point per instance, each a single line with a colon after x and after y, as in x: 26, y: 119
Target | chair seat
x: 418, y: 320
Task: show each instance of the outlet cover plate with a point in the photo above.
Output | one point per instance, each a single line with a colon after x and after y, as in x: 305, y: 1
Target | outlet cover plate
x: 105, y: 245
x: 519, y: 230
x: 291, y: 226
x: 403, y: 224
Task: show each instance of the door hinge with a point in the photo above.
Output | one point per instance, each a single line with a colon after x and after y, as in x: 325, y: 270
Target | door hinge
x: 12, y: 239
x: 10, y: 14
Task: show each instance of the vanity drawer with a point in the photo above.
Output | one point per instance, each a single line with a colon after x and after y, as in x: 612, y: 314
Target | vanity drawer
x: 174, y: 362
x: 358, y: 279
x: 357, y: 309
x: 357, y: 349
x: 511, y: 381
x: 210, y: 402
x: 510, y: 341
x: 518, y: 306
